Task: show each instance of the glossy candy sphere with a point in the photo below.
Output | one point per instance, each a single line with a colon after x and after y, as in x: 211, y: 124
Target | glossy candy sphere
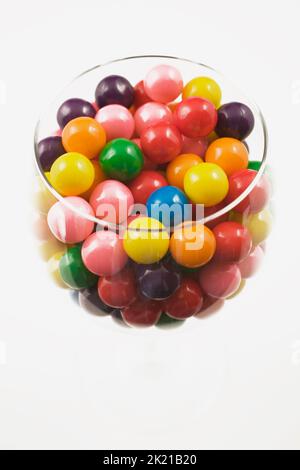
x: 220, y: 280
x: 206, y: 184
x: 146, y: 240
x: 112, y: 201
x: 193, y: 245
x: 148, y: 164
x: 235, y: 120
x: 84, y: 135
x: 68, y: 225
x: 117, y: 121
x: 121, y: 159
x: 195, y: 146
x: 163, y: 83
x: 161, y: 143
x: 150, y: 114
x: 250, y: 265
x: 114, y: 89
x: 103, y: 253
x: 230, y: 154
x: 89, y: 300
x: 142, y: 312
x: 145, y: 184
x: 168, y: 205
x: 72, y: 174
x: 72, y: 109
x: 257, y: 199
x: 178, y: 167
x: 233, y: 242
x: 73, y: 271
x: 118, y: 291
x: 98, y: 178
x: 49, y: 150
x: 140, y: 95
x: 259, y: 226
x: 203, y: 87
x: 195, y: 117
x: 158, y: 281
x: 186, y: 301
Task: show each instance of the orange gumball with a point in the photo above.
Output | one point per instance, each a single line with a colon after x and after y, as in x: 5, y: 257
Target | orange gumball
x: 178, y: 167
x: 84, y: 135
x: 192, y: 245
x: 99, y: 177
x: 230, y: 154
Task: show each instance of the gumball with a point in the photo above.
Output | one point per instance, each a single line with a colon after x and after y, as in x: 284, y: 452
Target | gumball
x: 206, y: 184
x: 250, y: 265
x: 49, y: 150
x: 259, y: 226
x: 230, y: 154
x: 178, y: 167
x: 98, y: 178
x: 72, y: 174
x: 233, y: 242
x: 118, y: 291
x: 161, y: 143
x: 208, y: 211
x: 140, y: 95
x: 257, y: 199
x: 112, y: 201
x: 220, y: 280
x: 169, y: 205
x: 195, y: 146
x: 72, y: 109
x: 163, y: 83
x: 43, y: 199
x: 192, y: 245
x: 210, y: 306
x: 254, y: 165
x: 53, y: 269
x: 235, y: 120
x: 67, y: 220
x: 146, y: 240
x: 158, y: 281
x: 240, y: 289
x: 73, y: 271
x: 142, y: 312
x: 84, y: 135
x: 145, y: 184
x: 103, y: 253
x: 89, y: 300
x: 150, y: 114
x: 204, y: 87
x: 116, y: 120
x: 121, y: 159
x: 114, y: 89
x: 195, y: 117
x: 186, y: 301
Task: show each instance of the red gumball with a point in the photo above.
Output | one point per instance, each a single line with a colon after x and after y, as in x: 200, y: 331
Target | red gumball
x: 186, y: 301
x: 144, y: 185
x: 220, y: 280
x: 118, y: 291
x: 213, y: 210
x: 195, y: 117
x: 140, y: 95
x: 210, y: 306
x: 233, y: 242
x: 142, y: 312
x: 161, y: 143
x: 250, y: 265
x: 258, y: 197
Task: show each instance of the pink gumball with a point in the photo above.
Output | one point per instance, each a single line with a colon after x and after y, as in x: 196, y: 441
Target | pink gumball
x: 250, y: 265
x: 163, y: 83
x: 197, y: 146
x: 116, y: 120
x: 112, y: 201
x: 220, y: 280
x: 103, y: 253
x: 150, y: 114
x: 67, y: 225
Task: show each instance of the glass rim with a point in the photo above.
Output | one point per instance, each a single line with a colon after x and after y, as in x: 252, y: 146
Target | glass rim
x: 203, y: 220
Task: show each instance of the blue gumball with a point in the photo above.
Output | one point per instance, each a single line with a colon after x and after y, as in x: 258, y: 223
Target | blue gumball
x: 169, y: 205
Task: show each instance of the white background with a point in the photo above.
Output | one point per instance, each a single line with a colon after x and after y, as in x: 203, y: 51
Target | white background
x: 69, y: 380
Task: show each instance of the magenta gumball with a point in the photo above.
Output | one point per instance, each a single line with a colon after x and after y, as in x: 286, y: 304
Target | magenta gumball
x: 250, y: 265
x: 112, y: 201
x: 150, y: 114
x: 103, y: 253
x: 117, y: 121
x: 163, y: 83
x: 196, y: 146
x: 67, y: 220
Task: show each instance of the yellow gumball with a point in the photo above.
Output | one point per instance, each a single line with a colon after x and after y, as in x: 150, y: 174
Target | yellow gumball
x: 259, y: 225
x: 146, y: 240
x: 204, y: 87
x: 206, y: 184
x: 43, y: 199
x: 48, y: 248
x: 72, y: 174
x: 53, y: 269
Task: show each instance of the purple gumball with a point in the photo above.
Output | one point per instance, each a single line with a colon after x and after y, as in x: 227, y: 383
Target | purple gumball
x: 234, y: 120
x: 74, y: 108
x: 114, y: 89
x: 49, y: 150
x: 158, y: 281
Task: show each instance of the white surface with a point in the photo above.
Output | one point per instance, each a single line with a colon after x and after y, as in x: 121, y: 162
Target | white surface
x: 68, y: 380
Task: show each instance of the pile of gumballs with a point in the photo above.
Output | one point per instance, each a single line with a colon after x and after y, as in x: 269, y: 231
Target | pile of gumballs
x: 139, y: 175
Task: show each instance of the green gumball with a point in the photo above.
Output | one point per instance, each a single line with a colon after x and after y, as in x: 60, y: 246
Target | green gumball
x: 121, y: 159
x: 254, y: 165
x: 73, y: 271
